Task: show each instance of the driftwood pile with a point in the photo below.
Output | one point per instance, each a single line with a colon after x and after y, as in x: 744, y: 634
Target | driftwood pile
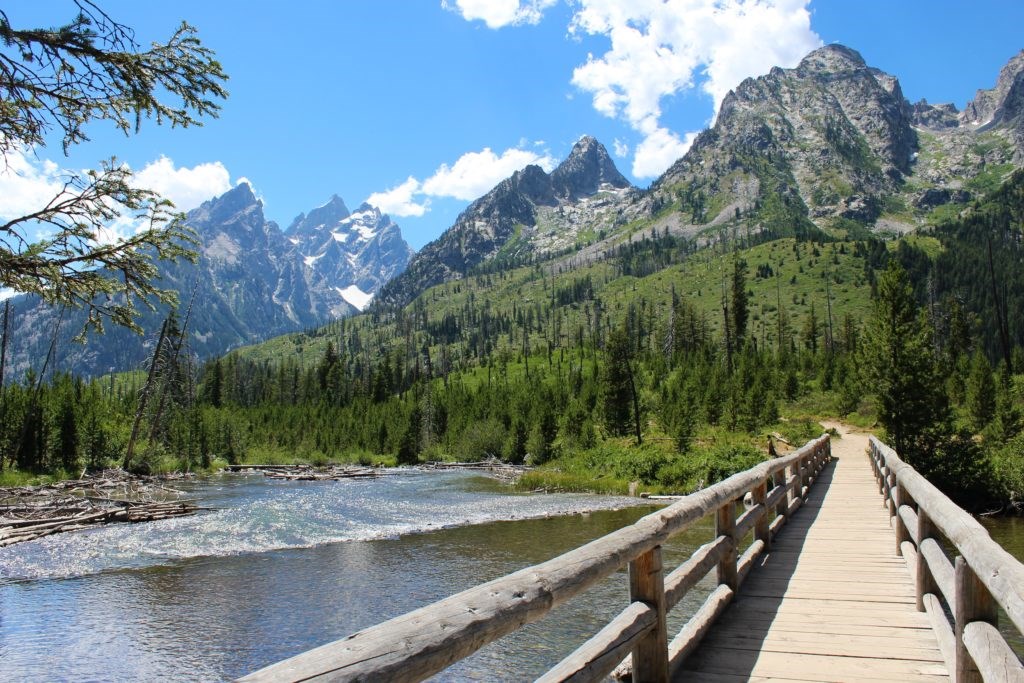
x: 30, y: 512
x: 308, y: 472
x: 492, y: 467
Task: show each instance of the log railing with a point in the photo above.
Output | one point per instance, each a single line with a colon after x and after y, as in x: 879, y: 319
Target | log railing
x: 416, y: 645
x: 981, y: 578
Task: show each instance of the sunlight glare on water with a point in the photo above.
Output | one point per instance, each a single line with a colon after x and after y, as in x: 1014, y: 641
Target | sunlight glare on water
x: 281, y: 567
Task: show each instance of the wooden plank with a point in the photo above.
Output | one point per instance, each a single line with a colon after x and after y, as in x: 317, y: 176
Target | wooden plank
x: 596, y: 658
x: 866, y: 646
x: 823, y: 667
x: 917, y: 634
x: 995, y: 659
x: 832, y: 600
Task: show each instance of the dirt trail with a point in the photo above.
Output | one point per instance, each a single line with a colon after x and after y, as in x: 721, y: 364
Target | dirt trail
x: 854, y: 443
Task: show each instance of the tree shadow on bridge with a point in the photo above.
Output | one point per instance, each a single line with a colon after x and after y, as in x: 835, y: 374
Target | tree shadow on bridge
x: 735, y: 643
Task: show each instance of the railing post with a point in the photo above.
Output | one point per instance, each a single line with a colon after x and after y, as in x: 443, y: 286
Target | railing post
x: 647, y: 584
x: 805, y: 474
x: 782, y: 509
x: 759, y: 496
x: 794, y: 472
x: 902, y: 533
x: 973, y: 603
x: 725, y: 525
x: 924, y: 582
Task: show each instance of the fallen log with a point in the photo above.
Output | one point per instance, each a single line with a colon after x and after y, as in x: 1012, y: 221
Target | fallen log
x: 31, y: 512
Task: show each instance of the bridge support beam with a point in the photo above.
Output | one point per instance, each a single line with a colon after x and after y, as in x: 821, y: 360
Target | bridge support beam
x: 973, y: 603
x: 759, y: 496
x: 924, y: 581
x: 647, y: 584
x: 725, y: 525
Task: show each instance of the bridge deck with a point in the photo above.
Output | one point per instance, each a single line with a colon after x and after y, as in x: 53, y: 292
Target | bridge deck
x: 832, y: 601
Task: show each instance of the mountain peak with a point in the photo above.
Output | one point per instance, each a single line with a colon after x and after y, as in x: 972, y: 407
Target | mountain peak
x: 238, y: 200
x: 587, y: 168
x: 832, y: 59
x: 325, y: 216
x: 1003, y: 103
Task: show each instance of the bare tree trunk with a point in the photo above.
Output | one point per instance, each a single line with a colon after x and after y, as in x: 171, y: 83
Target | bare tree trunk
x: 143, y: 398
x: 172, y: 363
x: 1004, y: 332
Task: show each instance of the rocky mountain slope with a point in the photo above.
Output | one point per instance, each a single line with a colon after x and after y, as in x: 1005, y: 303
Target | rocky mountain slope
x: 830, y: 146
x: 530, y: 214
x: 835, y: 140
x: 364, y: 249
x: 252, y: 281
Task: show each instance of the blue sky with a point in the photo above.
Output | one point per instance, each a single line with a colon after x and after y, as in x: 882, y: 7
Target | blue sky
x: 423, y: 105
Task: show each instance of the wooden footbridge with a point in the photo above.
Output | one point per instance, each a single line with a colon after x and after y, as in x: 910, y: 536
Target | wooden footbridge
x: 836, y: 568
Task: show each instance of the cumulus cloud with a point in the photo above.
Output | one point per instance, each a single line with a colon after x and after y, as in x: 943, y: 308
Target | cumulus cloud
x: 186, y: 187
x: 399, y: 200
x: 660, y: 48
x: 621, y: 147
x: 27, y: 184
x: 659, y: 150
x: 471, y: 176
x: 477, y: 172
x: 499, y: 13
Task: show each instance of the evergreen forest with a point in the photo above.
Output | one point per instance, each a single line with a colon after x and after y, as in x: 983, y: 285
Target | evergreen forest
x: 667, y: 362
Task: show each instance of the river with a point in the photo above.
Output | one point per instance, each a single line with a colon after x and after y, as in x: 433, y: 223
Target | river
x: 282, y: 567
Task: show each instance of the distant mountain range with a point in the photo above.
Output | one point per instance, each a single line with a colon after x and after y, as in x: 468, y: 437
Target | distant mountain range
x: 830, y: 147
x: 252, y: 282
x: 532, y: 213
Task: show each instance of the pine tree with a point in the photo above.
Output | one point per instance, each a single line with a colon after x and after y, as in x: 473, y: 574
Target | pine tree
x: 899, y: 367
x: 618, y: 390
x: 740, y: 304
x: 981, y: 392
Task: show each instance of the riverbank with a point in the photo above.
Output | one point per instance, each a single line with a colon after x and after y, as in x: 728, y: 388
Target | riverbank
x: 659, y: 466
x: 108, y: 497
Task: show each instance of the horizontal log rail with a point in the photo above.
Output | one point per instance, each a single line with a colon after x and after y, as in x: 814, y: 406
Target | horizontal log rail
x: 980, y: 578
x: 416, y: 645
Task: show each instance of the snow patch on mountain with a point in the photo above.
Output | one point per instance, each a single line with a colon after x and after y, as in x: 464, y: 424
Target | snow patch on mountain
x: 355, y: 296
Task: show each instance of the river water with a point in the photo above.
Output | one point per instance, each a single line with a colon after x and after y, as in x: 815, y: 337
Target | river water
x: 281, y: 567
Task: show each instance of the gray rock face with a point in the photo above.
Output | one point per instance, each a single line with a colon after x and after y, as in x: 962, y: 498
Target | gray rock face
x: 252, y: 282
x: 1003, y: 103
x: 587, y: 170
x: 353, y: 254
x: 827, y: 138
x: 937, y: 116
x: 528, y: 214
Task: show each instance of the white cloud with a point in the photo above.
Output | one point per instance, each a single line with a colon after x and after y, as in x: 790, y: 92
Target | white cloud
x: 399, y: 201
x: 659, y: 150
x: 660, y: 47
x: 477, y: 172
x: 621, y: 147
x: 499, y: 13
x: 186, y: 187
x: 471, y: 176
x: 27, y: 184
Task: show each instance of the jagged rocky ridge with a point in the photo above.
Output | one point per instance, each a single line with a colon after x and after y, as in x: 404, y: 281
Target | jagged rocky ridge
x: 252, y: 282
x: 834, y: 139
x: 830, y: 145
x: 530, y: 213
